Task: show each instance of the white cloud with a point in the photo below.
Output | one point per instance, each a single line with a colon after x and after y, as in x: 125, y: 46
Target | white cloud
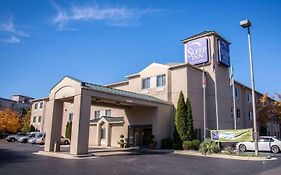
x: 13, y: 34
x: 11, y: 40
x: 115, y: 16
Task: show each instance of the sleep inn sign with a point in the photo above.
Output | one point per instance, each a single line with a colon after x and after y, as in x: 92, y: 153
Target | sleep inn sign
x: 197, y: 51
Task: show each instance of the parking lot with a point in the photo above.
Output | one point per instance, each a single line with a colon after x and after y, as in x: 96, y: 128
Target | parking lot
x: 17, y: 158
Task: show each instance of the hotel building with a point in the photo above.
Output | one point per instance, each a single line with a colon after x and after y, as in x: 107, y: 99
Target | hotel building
x: 145, y: 103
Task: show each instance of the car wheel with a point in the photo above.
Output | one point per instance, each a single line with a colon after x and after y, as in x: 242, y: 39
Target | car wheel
x: 13, y: 139
x: 66, y: 142
x: 275, y: 149
x: 24, y: 141
x: 242, y: 148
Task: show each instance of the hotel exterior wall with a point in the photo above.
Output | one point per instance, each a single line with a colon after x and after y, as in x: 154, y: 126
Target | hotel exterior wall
x: 39, y: 112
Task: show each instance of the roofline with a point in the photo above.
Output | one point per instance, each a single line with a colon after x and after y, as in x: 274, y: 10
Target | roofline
x: 40, y: 99
x: 23, y: 96
x: 8, y: 100
x: 185, y: 65
x: 159, y: 101
x: 67, y: 76
x: 117, y: 83
x: 202, y: 35
x: 133, y: 75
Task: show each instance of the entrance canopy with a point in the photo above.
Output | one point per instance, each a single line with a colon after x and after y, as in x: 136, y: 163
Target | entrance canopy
x: 84, y: 95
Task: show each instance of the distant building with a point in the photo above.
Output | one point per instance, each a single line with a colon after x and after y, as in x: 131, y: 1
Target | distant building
x: 17, y: 103
x: 38, y: 111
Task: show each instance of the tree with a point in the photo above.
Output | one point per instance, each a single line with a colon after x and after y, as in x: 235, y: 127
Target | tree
x: 268, y: 108
x: 31, y: 128
x: 190, y: 130
x: 9, y: 121
x: 26, y: 121
x: 181, y: 118
x: 68, y: 130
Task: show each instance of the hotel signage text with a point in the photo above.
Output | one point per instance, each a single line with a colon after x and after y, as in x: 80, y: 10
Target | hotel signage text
x: 197, y: 51
x: 224, y: 57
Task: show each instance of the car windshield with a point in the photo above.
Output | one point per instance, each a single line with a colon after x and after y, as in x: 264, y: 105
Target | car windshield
x: 39, y: 135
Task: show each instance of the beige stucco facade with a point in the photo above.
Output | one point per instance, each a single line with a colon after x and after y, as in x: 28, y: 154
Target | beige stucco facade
x: 144, y: 104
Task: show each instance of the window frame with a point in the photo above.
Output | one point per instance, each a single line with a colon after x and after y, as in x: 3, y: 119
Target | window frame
x: 162, y: 80
x: 145, y: 83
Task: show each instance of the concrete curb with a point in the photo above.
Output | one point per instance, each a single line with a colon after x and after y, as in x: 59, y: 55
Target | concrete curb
x: 223, y: 156
x: 64, y: 155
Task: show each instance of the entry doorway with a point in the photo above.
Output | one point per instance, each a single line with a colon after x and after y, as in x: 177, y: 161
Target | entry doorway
x: 139, y: 135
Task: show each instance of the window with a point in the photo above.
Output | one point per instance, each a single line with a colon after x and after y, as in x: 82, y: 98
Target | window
x: 39, y: 119
x: 264, y: 140
x: 108, y: 112
x: 249, y: 97
x: 70, y: 116
x: 41, y: 105
x: 36, y: 106
x: 145, y: 83
x: 231, y: 111
x: 97, y: 114
x: 237, y: 93
x: 161, y: 80
x: 238, y: 113
x: 34, y: 119
x: 250, y: 116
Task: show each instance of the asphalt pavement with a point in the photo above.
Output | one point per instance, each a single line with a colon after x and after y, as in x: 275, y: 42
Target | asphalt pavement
x: 16, y: 158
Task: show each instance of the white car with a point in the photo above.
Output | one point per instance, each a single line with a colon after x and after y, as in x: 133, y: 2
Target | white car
x: 265, y: 143
x: 38, y: 135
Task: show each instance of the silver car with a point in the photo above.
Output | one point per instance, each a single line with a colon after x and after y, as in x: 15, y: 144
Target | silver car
x: 38, y: 135
x: 24, y: 139
x: 265, y: 143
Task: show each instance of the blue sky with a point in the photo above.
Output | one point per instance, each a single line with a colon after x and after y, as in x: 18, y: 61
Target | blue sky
x: 103, y: 41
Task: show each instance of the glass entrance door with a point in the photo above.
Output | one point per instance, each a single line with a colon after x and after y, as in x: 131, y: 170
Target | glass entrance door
x: 139, y: 135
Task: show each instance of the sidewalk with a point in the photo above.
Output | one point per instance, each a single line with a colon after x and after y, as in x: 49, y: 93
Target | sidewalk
x: 222, y: 156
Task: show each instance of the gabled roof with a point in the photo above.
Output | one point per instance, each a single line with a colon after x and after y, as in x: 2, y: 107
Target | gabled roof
x: 109, y: 119
x: 105, y: 89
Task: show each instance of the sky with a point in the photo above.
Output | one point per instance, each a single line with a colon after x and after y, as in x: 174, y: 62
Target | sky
x: 103, y: 41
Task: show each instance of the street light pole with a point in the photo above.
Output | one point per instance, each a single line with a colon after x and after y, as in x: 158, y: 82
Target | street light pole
x: 247, y: 24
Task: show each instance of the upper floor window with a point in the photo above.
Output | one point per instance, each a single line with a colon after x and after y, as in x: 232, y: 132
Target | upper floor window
x: 36, y: 106
x: 249, y: 97
x: 39, y: 119
x: 237, y: 93
x: 70, y: 116
x: 145, y: 83
x: 34, y: 119
x: 161, y: 80
x: 108, y: 112
x: 41, y: 105
x: 97, y: 114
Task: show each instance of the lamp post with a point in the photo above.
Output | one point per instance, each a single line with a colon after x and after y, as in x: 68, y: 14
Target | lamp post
x: 247, y: 24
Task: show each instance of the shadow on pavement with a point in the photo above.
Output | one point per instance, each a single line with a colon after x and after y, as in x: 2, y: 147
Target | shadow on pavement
x: 8, y: 156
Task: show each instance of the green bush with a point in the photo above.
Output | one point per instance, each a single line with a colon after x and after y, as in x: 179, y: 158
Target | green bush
x: 196, y: 144
x: 187, y: 145
x: 208, y: 147
x: 177, y: 146
x: 167, y: 143
x: 32, y: 128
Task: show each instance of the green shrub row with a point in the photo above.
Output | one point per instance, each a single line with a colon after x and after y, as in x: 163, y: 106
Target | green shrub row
x: 188, y: 145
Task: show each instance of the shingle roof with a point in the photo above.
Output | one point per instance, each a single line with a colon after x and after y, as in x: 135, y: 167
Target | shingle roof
x: 120, y: 92
x: 109, y: 119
